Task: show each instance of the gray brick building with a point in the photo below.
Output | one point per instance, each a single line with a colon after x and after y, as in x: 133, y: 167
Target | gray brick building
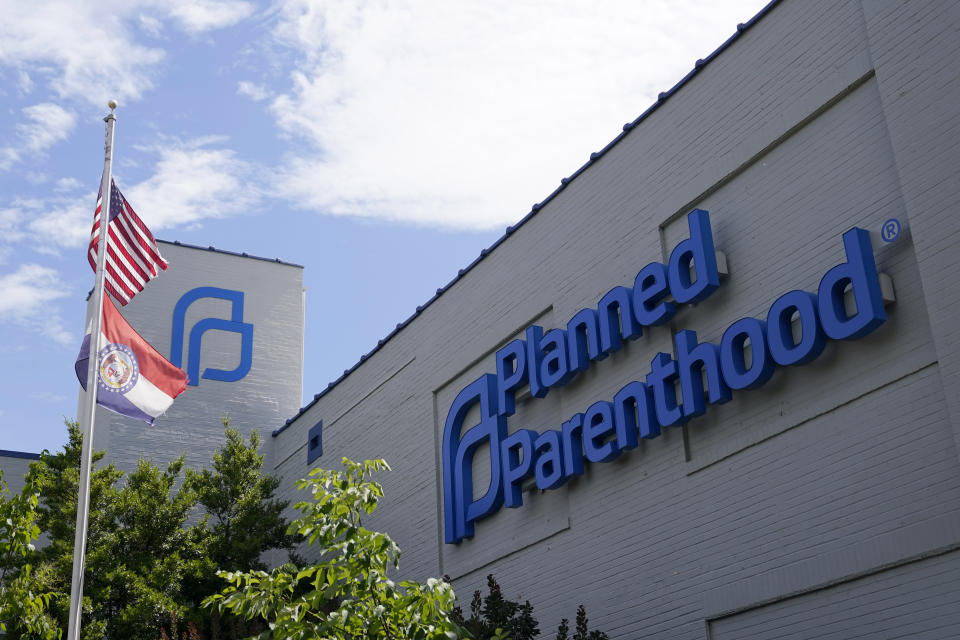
x: 14, y: 465
x: 234, y: 322
x: 821, y: 504
x: 819, y: 497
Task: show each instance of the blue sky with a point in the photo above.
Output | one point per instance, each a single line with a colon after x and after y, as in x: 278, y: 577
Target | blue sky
x: 378, y: 144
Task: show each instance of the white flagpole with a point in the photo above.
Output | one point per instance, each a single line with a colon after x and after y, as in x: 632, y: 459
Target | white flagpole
x: 86, y: 456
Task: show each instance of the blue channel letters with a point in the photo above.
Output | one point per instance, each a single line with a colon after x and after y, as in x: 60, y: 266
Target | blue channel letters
x: 640, y: 409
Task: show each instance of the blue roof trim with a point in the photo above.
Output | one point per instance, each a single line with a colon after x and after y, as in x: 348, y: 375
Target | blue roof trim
x: 661, y: 98
x: 6, y: 453
x: 230, y: 253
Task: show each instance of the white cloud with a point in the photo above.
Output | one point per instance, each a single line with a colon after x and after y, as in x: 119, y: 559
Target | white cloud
x: 203, y: 15
x: 151, y: 25
x: 253, y: 91
x: 46, y: 124
x: 63, y: 224
x: 83, y: 50
x: 193, y: 181
x: 90, y: 51
x: 36, y: 177
x: 10, y: 232
x: 9, y: 225
x: 47, y: 225
x: 24, y: 82
x: 25, y: 299
x: 68, y: 184
x: 465, y: 114
x: 8, y: 156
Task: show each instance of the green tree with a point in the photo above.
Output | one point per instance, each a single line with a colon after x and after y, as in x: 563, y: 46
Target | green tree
x: 23, y: 603
x: 142, y: 564
x: 347, y: 594
x: 494, y: 614
x: 146, y: 565
x: 243, y: 519
x: 494, y: 617
x: 139, y: 549
x: 582, y: 633
x: 57, y: 517
x: 246, y: 518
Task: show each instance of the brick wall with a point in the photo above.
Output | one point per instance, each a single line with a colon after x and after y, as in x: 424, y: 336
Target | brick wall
x: 821, y: 116
x: 262, y: 399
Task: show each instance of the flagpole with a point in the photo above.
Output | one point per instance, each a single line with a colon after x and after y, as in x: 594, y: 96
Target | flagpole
x: 86, y: 455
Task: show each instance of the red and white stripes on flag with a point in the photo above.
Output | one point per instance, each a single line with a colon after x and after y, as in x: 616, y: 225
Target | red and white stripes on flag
x: 132, y: 254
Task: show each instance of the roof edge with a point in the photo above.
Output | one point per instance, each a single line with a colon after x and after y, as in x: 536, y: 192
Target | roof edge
x: 564, y: 182
x: 243, y: 254
x: 6, y: 453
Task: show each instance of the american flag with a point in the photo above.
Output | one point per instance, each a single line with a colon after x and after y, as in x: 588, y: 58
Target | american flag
x: 132, y: 253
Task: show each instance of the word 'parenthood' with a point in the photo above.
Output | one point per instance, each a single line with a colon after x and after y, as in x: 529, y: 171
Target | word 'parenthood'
x: 641, y: 408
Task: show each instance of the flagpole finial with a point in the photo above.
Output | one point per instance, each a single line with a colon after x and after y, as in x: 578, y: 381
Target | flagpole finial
x: 111, y: 117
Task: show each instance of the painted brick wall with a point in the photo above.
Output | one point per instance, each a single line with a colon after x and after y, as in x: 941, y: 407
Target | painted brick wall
x: 913, y: 47
x: 273, y: 304
x: 822, y: 116
x: 15, y: 465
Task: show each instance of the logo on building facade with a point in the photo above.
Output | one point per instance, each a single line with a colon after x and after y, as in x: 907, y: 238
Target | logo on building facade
x: 235, y: 325
x: 672, y: 392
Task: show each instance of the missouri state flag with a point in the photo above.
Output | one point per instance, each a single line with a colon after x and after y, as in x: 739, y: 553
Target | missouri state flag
x: 134, y: 379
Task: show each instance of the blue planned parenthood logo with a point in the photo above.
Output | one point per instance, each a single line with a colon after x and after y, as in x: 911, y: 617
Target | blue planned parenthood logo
x: 235, y: 325
x: 890, y: 230
x: 119, y: 369
x: 670, y: 394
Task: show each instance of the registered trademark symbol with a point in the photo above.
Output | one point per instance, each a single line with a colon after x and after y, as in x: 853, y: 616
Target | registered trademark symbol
x: 890, y: 230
